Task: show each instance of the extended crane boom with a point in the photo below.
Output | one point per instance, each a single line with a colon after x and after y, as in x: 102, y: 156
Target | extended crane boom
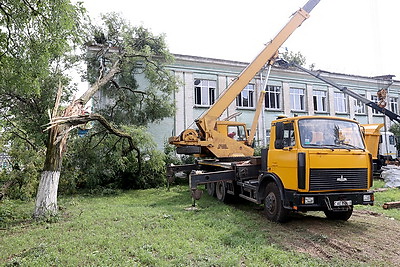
x: 393, y: 116
x: 211, y: 139
x: 207, y: 121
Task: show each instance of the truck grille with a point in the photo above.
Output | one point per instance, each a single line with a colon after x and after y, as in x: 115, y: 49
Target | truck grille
x: 338, y: 179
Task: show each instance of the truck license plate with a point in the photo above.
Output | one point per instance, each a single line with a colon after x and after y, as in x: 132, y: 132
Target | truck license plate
x: 341, y: 203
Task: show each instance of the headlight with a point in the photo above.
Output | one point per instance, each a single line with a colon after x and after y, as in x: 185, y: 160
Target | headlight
x: 308, y: 200
x: 366, y: 198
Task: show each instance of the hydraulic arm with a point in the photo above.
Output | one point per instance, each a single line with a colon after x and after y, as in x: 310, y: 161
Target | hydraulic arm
x: 207, y: 121
x: 369, y: 103
x: 209, y: 139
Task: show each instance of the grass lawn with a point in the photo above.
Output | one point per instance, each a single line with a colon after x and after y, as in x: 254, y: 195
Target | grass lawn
x: 152, y: 228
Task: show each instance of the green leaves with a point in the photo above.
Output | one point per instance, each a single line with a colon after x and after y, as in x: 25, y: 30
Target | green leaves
x: 141, y: 92
x: 36, y: 40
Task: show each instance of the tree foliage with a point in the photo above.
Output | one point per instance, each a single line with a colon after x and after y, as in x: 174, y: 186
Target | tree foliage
x: 141, y: 91
x: 293, y: 57
x: 137, y: 94
x: 38, y: 44
x: 97, y: 161
x: 37, y: 41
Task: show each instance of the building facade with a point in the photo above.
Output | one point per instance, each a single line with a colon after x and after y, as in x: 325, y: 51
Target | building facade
x: 289, y: 92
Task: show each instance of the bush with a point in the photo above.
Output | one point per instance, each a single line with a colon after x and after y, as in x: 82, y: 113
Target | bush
x: 172, y: 158
x: 98, y: 161
x: 21, y: 180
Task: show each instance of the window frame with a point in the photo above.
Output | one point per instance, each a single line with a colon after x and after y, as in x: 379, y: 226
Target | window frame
x: 297, y: 96
x: 205, y: 88
x: 321, y: 100
x: 374, y: 98
x: 394, y: 105
x: 340, y: 102
x: 359, y: 105
x: 240, y: 99
x: 273, y: 97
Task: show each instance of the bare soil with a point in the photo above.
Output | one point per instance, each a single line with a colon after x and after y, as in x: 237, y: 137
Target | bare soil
x: 367, y: 238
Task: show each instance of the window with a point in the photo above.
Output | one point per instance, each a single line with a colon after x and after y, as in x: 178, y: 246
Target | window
x: 393, y: 106
x: 204, y: 92
x: 246, y: 97
x: 284, y: 135
x: 330, y: 133
x: 273, y: 97
x: 237, y: 132
x: 374, y: 99
x: 359, y: 107
x: 340, y: 102
x: 288, y: 135
x: 392, y: 140
x: 319, y: 100
x: 297, y: 99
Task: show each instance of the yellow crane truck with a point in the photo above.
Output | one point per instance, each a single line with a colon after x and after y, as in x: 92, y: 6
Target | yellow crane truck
x: 312, y: 163
x: 372, y: 135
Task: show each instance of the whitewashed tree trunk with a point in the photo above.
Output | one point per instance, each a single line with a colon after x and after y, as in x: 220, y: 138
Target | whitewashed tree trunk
x: 46, y: 199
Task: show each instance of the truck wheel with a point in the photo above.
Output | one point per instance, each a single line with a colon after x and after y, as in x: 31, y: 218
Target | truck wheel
x: 220, y: 191
x: 339, y: 215
x: 273, y: 204
x: 211, y: 189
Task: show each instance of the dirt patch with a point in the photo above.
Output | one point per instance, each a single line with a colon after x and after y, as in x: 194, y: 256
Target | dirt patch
x: 368, y: 237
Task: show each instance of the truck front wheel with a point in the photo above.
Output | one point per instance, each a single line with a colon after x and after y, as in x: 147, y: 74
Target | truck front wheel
x: 339, y: 215
x: 274, y: 209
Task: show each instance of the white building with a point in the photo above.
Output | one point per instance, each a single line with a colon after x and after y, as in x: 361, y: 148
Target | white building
x: 289, y: 92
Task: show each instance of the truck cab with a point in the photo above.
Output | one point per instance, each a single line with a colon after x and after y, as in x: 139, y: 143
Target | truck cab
x: 316, y: 163
x: 232, y: 129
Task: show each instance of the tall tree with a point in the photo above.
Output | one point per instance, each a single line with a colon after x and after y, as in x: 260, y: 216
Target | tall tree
x: 37, y: 41
x: 36, y: 38
x: 118, y: 55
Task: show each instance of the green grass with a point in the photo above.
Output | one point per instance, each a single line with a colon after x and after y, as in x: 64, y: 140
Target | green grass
x: 392, y: 194
x: 148, y: 228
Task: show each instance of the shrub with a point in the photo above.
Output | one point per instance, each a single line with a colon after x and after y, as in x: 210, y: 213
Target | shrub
x: 21, y: 180
x: 99, y: 161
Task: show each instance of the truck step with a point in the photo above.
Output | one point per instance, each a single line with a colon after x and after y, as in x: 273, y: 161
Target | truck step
x: 249, y: 199
x: 249, y: 185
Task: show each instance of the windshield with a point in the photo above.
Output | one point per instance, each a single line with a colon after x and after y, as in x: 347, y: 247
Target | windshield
x: 330, y: 133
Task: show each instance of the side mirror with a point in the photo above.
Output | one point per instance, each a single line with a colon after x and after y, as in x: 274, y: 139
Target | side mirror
x: 279, y: 135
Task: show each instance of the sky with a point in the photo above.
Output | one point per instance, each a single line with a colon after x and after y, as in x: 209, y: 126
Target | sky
x: 357, y: 37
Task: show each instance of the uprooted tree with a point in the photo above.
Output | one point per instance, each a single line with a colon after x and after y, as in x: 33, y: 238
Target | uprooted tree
x: 118, y: 56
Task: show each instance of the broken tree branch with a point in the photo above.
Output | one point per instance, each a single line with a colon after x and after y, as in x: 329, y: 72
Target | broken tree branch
x: 98, y: 84
x: 77, y: 120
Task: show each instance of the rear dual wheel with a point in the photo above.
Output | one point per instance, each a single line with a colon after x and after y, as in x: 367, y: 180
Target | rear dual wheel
x: 210, y: 189
x: 220, y: 191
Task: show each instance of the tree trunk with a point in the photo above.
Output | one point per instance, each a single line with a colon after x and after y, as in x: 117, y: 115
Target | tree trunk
x: 46, y: 198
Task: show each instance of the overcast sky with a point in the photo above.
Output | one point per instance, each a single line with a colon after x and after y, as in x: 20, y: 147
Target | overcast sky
x: 359, y: 37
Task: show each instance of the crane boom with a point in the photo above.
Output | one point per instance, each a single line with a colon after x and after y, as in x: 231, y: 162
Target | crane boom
x: 207, y: 121
x: 392, y: 116
x: 212, y: 137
